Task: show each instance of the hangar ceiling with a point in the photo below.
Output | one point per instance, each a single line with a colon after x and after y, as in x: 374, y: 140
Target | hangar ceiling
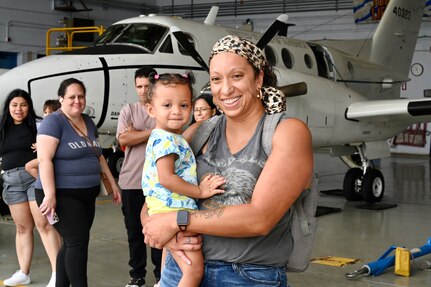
x: 193, y: 9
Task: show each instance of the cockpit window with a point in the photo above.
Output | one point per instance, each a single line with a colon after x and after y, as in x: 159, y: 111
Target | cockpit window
x: 166, y: 47
x: 191, y: 41
x: 110, y: 34
x: 142, y: 34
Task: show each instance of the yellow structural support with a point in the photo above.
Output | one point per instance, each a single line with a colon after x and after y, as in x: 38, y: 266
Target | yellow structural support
x: 70, y: 32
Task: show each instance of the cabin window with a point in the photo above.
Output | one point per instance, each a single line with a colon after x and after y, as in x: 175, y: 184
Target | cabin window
x: 270, y: 56
x: 308, y: 61
x: 287, y: 58
x: 191, y: 41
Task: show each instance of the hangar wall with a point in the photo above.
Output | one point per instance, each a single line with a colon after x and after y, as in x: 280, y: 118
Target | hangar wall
x: 23, y: 24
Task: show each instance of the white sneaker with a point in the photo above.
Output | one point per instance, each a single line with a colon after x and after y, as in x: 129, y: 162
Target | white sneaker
x: 157, y: 284
x: 19, y: 278
x: 51, y: 282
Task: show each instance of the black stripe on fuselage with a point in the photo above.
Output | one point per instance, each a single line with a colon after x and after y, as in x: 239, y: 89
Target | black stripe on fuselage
x: 106, y: 86
x: 107, y: 49
x: 419, y: 108
x: 106, y: 90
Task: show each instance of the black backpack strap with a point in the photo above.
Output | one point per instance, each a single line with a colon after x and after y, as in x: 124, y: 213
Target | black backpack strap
x: 203, y: 132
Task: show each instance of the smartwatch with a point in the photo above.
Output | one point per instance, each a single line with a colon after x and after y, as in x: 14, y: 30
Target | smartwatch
x: 183, y: 219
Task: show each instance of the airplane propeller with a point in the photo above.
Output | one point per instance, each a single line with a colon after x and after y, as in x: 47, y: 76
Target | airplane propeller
x: 182, y: 39
x: 280, y: 24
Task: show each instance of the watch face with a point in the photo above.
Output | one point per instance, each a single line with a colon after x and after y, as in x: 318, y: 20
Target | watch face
x: 417, y: 69
x: 183, y: 217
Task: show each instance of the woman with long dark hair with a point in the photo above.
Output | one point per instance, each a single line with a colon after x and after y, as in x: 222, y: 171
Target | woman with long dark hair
x: 17, y: 134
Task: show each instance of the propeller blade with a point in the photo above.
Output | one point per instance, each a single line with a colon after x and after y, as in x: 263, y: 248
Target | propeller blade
x: 275, y: 27
x: 182, y: 39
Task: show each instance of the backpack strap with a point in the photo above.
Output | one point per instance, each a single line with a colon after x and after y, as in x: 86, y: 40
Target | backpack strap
x: 205, y: 129
x: 203, y: 132
x: 303, y: 219
x: 269, y: 126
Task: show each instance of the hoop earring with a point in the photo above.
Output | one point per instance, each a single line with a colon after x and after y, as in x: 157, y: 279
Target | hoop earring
x: 259, y: 95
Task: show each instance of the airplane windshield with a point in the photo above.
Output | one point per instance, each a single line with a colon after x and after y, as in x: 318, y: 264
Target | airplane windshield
x: 145, y: 35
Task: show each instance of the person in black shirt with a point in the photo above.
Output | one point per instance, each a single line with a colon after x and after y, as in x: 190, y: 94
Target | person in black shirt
x: 17, y: 134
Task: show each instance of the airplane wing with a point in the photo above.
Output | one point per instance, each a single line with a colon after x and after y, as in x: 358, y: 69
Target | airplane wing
x: 402, y: 111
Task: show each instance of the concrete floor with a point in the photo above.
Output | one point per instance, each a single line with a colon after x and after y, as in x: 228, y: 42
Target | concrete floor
x: 352, y: 233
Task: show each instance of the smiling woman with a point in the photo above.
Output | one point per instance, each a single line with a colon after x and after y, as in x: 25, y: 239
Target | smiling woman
x: 18, y: 108
x: 70, y: 162
x: 17, y: 134
x: 204, y: 108
x: 245, y: 231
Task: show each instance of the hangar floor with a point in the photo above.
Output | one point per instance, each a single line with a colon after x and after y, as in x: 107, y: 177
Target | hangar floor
x: 351, y: 233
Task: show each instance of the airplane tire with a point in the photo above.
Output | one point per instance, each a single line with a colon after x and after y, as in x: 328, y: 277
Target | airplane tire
x: 373, y: 186
x: 352, y: 184
x: 115, y: 162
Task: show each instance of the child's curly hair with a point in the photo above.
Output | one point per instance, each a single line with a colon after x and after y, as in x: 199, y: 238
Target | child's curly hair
x: 168, y: 79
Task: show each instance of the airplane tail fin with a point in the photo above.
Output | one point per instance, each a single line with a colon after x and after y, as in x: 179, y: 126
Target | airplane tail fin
x: 394, y: 40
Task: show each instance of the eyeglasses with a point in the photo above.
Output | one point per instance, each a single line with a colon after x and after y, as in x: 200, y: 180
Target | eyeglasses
x: 201, y: 110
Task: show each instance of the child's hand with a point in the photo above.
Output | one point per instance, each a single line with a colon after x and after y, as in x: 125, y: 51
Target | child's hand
x: 210, y: 185
x: 33, y: 147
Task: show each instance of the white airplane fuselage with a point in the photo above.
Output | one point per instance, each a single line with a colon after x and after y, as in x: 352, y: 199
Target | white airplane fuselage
x: 331, y: 76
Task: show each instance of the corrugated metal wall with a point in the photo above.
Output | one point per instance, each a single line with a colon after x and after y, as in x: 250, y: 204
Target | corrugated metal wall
x: 234, y: 8
x: 253, y: 7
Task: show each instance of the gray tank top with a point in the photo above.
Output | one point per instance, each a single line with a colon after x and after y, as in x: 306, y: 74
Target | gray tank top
x: 241, y: 171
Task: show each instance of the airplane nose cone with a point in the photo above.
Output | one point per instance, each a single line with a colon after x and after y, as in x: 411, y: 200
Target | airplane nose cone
x: 9, y: 81
x: 32, y: 77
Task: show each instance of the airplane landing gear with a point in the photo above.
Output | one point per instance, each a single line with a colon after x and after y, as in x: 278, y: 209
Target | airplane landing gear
x: 373, y: 185
x: 115, y: 162
x: 352, y: 184
x: 365, y: 183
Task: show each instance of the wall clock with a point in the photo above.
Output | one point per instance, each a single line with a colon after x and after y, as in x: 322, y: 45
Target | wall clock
x: 417, y: 69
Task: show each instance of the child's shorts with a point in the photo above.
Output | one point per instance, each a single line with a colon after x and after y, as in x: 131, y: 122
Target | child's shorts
x: 18, y: 186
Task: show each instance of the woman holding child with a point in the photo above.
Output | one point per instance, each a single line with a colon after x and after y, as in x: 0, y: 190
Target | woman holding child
x: 245, y: 227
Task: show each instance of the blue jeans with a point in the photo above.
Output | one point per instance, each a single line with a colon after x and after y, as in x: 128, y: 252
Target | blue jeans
x: 225, y: 274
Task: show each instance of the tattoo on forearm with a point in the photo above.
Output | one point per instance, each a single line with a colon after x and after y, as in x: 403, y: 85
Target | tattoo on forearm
x: 210, y: 213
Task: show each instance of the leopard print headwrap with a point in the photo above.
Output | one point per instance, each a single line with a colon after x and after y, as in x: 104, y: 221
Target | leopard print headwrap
x: 272, y: 98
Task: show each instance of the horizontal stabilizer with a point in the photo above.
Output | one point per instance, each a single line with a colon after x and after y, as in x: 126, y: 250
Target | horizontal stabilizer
x: 402, y: 110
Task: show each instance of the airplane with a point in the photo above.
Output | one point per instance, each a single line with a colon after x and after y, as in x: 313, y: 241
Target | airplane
x: 346, y: 91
